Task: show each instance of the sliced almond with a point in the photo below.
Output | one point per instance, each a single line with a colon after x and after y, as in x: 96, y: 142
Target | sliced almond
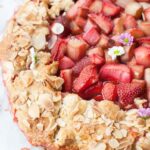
x: 100, y: 146
x: 117, y: 134
x: 113, y: 143
x: 34, y: 111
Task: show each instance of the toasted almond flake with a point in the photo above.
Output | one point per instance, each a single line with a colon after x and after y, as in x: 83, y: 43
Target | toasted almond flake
x: 57, y: 28
x: 117, y: 134
x: 108, y: 131
x: 26, y: 123
x: 124, y: 132
x: 99, y: 137
x: 40, y: 126
x: 113, y: 143
x: 34, y: 111
x: 100, y: 146
x: 52, y: 41
x: 61, y: 122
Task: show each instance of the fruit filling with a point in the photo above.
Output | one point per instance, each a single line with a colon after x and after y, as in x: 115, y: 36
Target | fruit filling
x: 103, y: 50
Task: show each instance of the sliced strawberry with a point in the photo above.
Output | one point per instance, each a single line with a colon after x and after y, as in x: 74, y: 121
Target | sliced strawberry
x: 73, y: 11
x: 142, y: 83
x: 97, y: 50
x: 145, y: 27
x: 116, y: 73
x: 147, y: 14
x: 104, y: 41
x: 132, y: 62
x: 130, y: 22
x: 138, y: 71
x: 91, y: 36
x: 76, y: 48
x: 147, y: 79
x: 75, y: 29
x: 109, y: 9
x: 143, y: 0
x: 102, y: 21
x: 87, y: 77
x: 89, y: 25
x: 80, y: 21
x: 142, y: 56
x: 66, y: 63
x: 83, y: 11
x: 97, y: 60
x: 96, y: 6
x: 85, y: 61
x: 67, y: 76
x: 109, y: 91
x: 92, y: 91
x: 144, y: 40
x: 59, y: 49
x: 98, y: 97
x: 136, y: 33
x: 127, y: 92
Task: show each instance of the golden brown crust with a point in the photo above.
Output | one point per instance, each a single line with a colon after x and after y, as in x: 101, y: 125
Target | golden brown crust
x: 48, y: 118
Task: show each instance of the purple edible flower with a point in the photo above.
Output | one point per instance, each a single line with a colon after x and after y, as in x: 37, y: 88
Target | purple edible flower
x: 144, y: 112
x: 126, y: 39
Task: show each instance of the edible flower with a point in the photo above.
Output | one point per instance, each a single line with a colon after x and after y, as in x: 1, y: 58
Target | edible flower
x: 33, y: 58
x: 144, y: 112
x: 126, y: 39
x: 116, y: 51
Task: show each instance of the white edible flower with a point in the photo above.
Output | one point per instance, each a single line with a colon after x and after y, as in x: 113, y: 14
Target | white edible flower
x: 33, y: 58
x: 116, y: 51
x: 57, y: 28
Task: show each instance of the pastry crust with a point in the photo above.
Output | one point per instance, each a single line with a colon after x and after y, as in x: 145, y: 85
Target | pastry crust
x: 47, y: 117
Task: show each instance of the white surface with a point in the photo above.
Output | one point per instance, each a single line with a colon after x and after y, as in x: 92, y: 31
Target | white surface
x: 11, y: 138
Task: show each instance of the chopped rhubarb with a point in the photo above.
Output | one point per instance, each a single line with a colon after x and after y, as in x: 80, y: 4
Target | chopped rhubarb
x: 80, y: 21
x: 147, y: 79
x: 97, y: 60
x: 104, y: 41
x: 83, y: 11
x: 97, y: 50
x: 136, y: 32
x: 89, y: 25
x: 96, y: 6
x: 75, y: 29
x: 130, y: 22
x: 147, y: 14
x: 87, y: 77
x: 145, y: 27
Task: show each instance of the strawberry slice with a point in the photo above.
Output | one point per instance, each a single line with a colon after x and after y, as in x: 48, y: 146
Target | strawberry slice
x: 66, y: 63
x: 76, y: 48
x: 109, y: 91
x: 142, y: 56
x: 97, y: 50
x: 147, y: 79
x: 96, y: 6
x: 91, y: 36
x: 109, y: 9
x: 59, y: 49
x: 67, y: 76
x: 144, y: 40
x: 147, y: 14
x: 87, y: 77
x: 102, y: 21
x: 116, y: 73
x: 98, y: 97
x: 130, y: 22
x: 92, y: 91
x: 127, y: 92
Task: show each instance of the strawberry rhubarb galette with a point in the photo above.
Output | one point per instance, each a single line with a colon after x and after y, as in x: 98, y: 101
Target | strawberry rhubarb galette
x: 78, y: 73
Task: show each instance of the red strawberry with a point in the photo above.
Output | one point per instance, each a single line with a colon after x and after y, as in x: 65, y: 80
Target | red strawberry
x: 109, y: 91
x: 104, y: 41
x: 83, y: 11
x: 96, y: 6
x: 145, y: 27
x: 80, y: 21
x: 116, y: 73
x: 85, y: 61
x: 147, y: 79
x: 97, y: 60
x: 147, y: 14
x: 109, y: 9
x: 89, y: 25
x: 87, y: 77
x: 76, y: 48
x: 97, y: 50
x: 142, y: 56
x: 59, y: 49
x: 102, y: 21
x: 127, y: 92
x: 142, y: 83
x: 91, y: 36
x: 92, y: 91
x: 67, y: 76
x: 144, y: 40
x: 75, y: 29
x: 98, y: 97
x: 130, y: 22
x: 66, y: 63
x: 136, y: 33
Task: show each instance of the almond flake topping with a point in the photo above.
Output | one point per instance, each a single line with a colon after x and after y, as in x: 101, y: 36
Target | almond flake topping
x: 113, y: 143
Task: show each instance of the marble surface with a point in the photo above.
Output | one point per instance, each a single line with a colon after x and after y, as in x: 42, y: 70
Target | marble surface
x: 11, y: 138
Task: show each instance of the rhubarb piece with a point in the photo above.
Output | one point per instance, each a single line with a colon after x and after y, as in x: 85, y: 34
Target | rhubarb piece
x: 145, y: 27
x: 92, y: 91
x: 109, y: 91
x: 83, y: 12
x: 135, y: 9
x: 102, y: 21
x: 76, y: 48
x: 97, y: 60
x: 144, y: 40
x: 136, y: 33
x: 97, y: 50
x: 147, y: 79
x: 138, y: 71
x: 66, y: 63
x: 89, y: 25
x: 104, y: 41
x: 127, y: 92
x: 142, y: 56
x: 132, y: 62
x: 59, y: 49
x: 87, y: 77
x: 80, y: 21
x: 130, y: 22
x: 142, y: 83
x: 118, y: 25
x: 91, y: 36
x: 123, y: 3
x: 75, y: 29
x: 116, y: 73
x: 96, y: 6
x: 147, y: 14
x: 67, y: 76
x: 109, y: 9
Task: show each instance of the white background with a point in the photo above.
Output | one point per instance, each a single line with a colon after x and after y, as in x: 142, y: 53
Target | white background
x: 11, y: 138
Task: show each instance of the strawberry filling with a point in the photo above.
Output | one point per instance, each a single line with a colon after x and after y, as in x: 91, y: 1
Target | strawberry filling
x: 85, y: 42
